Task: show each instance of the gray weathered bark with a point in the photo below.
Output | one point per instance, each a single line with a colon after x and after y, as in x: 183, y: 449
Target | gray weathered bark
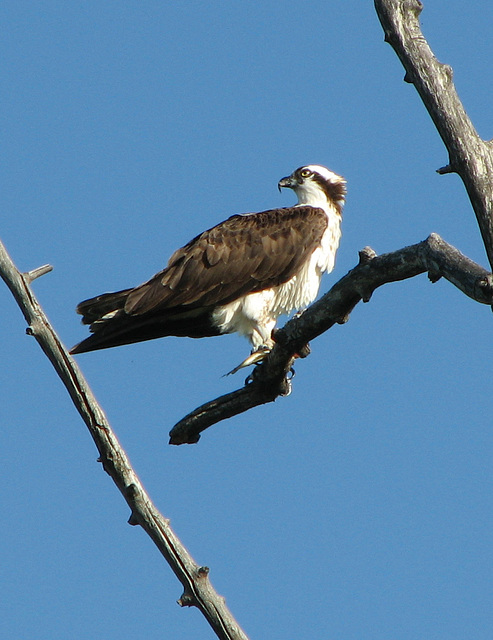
x: 469, y: 156
x: 197, y: 589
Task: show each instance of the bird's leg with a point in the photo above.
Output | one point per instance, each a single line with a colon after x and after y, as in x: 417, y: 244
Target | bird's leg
x: 255, y: 357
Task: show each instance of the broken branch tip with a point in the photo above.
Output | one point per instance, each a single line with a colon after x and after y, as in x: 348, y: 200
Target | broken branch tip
x: 446, y: 169
x: 37, y: 273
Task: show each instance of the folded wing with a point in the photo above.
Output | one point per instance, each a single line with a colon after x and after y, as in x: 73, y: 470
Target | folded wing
x: 242, y: 255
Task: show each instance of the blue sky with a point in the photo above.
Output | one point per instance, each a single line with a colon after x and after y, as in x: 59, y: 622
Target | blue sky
x: 360, y: 506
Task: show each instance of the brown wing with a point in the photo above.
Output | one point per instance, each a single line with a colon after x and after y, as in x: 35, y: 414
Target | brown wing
x: 243, y: 254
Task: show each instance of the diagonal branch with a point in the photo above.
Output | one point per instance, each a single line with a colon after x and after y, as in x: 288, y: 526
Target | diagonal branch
x: 433, y: 256
x: 469, y: 155
x: 197, y: 589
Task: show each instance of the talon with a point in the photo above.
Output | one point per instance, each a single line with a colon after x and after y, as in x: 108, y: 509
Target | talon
x: 254, y: 358
x: 288, y: 388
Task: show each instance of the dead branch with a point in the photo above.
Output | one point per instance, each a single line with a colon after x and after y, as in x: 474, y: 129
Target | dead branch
x: 197, y: 589
x: 469, y: 155
x: 433, y: 255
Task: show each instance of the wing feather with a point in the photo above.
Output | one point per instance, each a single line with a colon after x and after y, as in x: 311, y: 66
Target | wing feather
x: 243, y: 254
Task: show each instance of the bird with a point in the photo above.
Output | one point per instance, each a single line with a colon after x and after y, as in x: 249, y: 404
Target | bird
x: 238, y: 276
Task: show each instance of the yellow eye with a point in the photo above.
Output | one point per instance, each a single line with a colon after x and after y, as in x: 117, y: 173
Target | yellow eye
x: 305, y: 173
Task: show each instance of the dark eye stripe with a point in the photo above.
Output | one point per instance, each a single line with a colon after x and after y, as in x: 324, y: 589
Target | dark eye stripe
x: 303, y: 173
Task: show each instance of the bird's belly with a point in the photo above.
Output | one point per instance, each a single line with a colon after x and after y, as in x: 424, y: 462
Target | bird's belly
x: 250, y: 316
x: 255, y: 314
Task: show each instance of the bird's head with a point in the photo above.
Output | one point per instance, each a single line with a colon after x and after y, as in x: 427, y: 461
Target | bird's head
x: 316, y: 186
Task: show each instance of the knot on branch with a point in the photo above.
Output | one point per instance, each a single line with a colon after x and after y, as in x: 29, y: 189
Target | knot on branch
x: 448, y: 168
x: 366, y: 255
x: 131, y: 494
x: 415, y: 6
x: 305, y: 351
x: 272, y: 378
x: 449, y: 72
x: 187, y: 600
x: 485, y: 286
x: 345, y: 318
x: 409, y: 77
x: 434, y: 276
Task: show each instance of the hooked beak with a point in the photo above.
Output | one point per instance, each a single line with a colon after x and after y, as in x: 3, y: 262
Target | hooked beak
x: 287, y: 183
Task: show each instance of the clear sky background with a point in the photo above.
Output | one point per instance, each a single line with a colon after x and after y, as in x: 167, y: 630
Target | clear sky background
x: 361, y: 505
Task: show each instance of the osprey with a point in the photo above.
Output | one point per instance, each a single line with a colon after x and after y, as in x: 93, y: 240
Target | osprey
x: 238, y: 276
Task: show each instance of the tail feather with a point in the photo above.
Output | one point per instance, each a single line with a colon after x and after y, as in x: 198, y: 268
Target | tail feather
x: 94, y: 309
x: 111, y: 326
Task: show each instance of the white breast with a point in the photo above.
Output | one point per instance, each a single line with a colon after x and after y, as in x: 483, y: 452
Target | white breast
x: 302, y: 289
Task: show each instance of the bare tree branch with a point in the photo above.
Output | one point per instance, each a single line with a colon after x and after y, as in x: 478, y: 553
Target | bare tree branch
x: 433, y: 256
x: 469, y: 155
x: 197, y: 589
x: 37, y: 273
